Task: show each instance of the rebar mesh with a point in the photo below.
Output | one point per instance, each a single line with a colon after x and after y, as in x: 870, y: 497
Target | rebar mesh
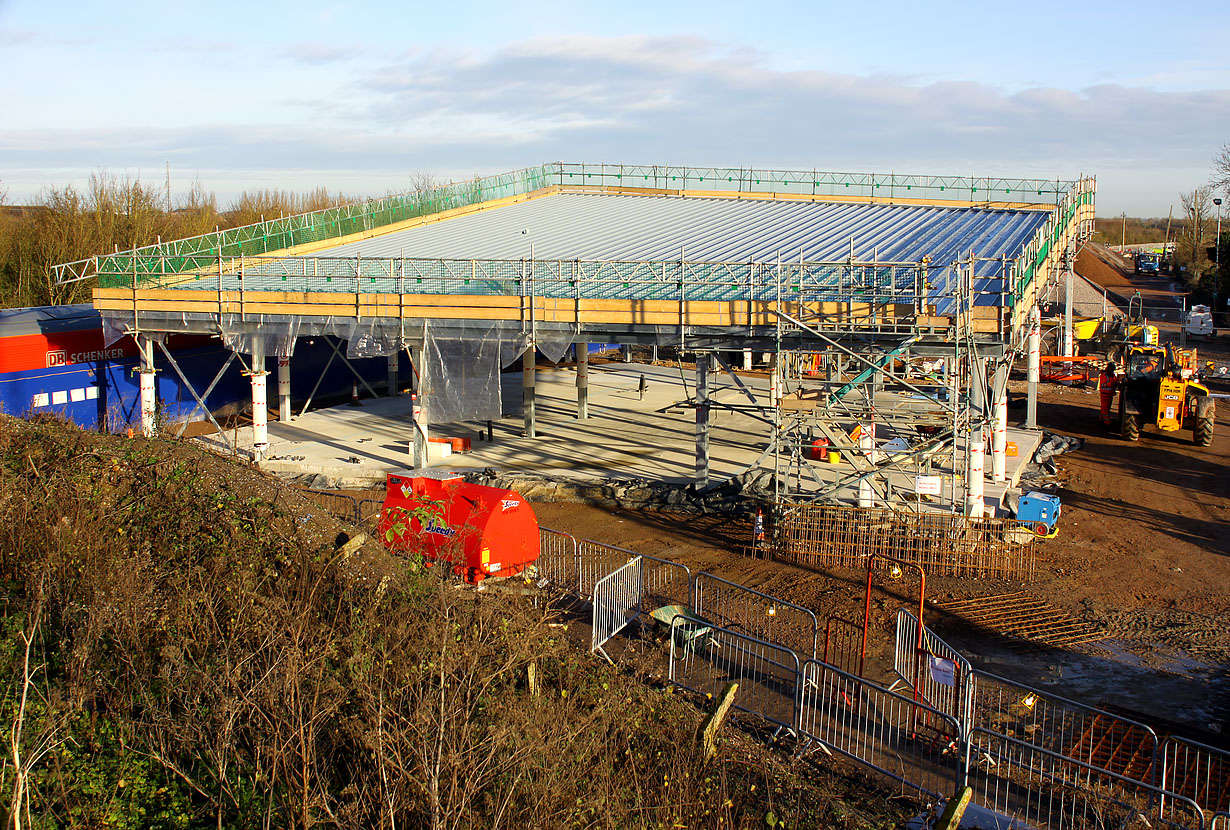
x: 944, y: 544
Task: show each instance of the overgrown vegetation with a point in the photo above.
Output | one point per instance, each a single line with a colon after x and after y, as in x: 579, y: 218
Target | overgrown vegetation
x: 186, y: 646
x: 66, y: 224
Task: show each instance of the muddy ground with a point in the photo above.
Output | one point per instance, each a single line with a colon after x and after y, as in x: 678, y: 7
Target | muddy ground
x: 1142, y: 557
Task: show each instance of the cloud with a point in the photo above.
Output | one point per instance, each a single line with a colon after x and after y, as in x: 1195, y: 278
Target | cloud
x: 317, y: 54
x: 676, y: 100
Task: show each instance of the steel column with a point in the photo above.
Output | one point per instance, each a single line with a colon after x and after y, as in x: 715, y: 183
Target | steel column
x: 417, y: 414
x: 582, y: 381
x: 702, y: 421
x: 391, y: 391
x: 284, y: 389
x: 527, y: 391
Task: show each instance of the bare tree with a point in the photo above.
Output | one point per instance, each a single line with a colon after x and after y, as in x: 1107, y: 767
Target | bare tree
x: 1220, y: 180
x: 1194, y: 237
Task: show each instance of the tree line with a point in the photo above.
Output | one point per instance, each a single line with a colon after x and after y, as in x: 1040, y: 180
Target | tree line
x: 69, y: 224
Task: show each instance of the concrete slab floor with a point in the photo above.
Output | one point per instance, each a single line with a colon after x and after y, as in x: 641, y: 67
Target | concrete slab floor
x: 625, y: 437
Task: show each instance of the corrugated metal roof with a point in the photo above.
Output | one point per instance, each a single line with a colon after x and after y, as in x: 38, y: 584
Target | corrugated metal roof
x: 587, y: 226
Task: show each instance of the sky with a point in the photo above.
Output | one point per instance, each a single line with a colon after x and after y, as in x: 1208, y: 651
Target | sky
x: 366, y: 97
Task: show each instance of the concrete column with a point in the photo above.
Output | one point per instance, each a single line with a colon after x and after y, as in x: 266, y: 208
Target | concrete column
x: 260, y: 407
x: 582, y: 381
x: 527, y: 392
x: 627, y: 353
x: 392, y: 374
x: 1035, y: 367
x: 999, y: 425
x: 747, y: 360
x: 702, y: 421
x: 283, y: 389
x: 867, y: 447
x: 149, y: 397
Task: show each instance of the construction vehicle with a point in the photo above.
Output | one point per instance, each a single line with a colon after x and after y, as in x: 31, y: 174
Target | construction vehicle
x: 1148, y: 262
x: 1162, y: 386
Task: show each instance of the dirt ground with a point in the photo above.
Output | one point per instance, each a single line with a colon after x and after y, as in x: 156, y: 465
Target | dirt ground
x: 1142, y: 555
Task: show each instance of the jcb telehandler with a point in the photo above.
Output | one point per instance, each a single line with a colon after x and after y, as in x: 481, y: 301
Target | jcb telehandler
x: 1162, y: 386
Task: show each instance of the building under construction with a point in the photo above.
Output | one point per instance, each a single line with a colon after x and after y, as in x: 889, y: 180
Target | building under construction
x: 886, y: 308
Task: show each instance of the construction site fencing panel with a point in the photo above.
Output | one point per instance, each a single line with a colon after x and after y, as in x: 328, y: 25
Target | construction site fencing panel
x: 1039, y: 787
x: 369, y: 510
x: 341, y: 505
x: 947, y: 691
x: 558, y: 559
x: 1092, y: 739
x: 1196, y: 771
x: 704, y: 658
x: 759, y: 615
x: 899, y: 737
x: 843, y: 645
x: 944, y: 544
x: 617, y: 600
x: 596, y: 560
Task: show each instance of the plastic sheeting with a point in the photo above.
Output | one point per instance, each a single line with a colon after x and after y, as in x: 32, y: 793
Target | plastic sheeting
x: 462, y: 360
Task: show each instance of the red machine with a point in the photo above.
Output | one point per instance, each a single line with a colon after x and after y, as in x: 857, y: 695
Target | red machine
x: 481, y: 531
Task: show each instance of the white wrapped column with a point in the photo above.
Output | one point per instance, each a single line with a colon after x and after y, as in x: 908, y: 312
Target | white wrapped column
x: 867, y: 446
x: 974, y: 502
x: 999, y: 426
x: 149, y: 396
x: 260, y: 401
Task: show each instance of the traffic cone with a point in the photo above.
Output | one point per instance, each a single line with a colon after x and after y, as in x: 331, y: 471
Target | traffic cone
x: 354, y: 395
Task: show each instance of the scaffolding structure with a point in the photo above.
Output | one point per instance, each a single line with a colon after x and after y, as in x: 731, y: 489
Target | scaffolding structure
x: 900, y: 367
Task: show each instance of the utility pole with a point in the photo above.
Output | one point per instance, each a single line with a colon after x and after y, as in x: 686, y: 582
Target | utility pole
x: 1217, y: 256
x: 1123, y: 232
x: 1166, y: 245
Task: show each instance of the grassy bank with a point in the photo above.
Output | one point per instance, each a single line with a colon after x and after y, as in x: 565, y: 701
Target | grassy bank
x: 185, y: 646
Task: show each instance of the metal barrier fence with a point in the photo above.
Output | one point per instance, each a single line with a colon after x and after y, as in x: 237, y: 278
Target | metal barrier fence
x: 761, y: 616
x: 342, y: 506
x: 705, y: 658
x: 616, y: 595
x: 1038, y: 786
x: 946, y: 691
x: 843, y: 645
x: 942, y: 543
x: 1196, y: 771
x: 907, y: 741
x: 1091, y: 738
x: 369, y: 510
x: 558, y: 560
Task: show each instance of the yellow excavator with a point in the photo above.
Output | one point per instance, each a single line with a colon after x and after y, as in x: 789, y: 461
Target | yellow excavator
x: 1161, y: 385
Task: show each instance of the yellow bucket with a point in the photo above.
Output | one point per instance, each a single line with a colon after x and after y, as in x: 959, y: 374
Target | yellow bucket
x: 834, y: 457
